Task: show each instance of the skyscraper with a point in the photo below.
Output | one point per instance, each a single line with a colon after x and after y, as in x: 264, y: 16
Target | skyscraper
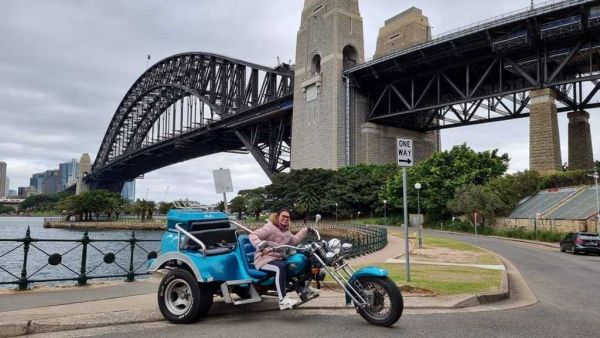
x: 128, y: 191
x: 3, y: 185
x: 51, y: 181
x: 37, y: 181
x: 68, y: 173
x: 7, y: 187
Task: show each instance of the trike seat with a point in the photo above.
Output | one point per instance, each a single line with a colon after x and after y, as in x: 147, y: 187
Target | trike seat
x: 217, y: 241
x: 247, y: 250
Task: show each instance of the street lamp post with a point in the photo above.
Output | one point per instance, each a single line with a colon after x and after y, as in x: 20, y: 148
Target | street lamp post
x: 336, y: 214
x: 596, y: 176
x: 385, y: 212
x: 357, y: 216
x: 418, y: 187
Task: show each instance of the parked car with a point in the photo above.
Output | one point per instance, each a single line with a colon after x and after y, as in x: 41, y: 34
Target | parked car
x: 580, y: 242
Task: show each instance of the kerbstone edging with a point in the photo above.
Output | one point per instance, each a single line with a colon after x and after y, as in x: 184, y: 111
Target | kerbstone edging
x: 490, y: 296
x: 13, y: 329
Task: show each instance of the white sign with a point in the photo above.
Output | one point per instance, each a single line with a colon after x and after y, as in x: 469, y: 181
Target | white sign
x: 404, y: 152
x: 222, y: 181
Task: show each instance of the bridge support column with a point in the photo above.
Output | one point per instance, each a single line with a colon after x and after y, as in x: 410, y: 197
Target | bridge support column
x: 85, y: 167
x: 544, y: 140
x: 581, y: 155
x: 377, y: 143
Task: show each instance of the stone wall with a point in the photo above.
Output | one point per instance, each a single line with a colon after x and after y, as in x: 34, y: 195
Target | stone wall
x: 555, y: 225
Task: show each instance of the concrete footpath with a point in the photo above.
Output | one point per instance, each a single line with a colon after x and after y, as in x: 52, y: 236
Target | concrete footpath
x: 117, y: 303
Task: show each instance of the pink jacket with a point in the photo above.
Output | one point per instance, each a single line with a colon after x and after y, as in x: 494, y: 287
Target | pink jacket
x: 270, y: 233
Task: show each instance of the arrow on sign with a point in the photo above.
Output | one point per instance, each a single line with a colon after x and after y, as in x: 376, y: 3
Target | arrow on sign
x: 407, y: 161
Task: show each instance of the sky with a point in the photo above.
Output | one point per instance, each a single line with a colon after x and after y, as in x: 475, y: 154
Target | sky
x: 66, y: 64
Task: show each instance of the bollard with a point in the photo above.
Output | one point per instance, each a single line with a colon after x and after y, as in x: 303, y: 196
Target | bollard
x: 131, y: 273
x: 23, y: 284
x: 82, y: 280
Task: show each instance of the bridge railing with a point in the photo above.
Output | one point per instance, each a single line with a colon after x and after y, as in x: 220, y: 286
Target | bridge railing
x: 129, y: 259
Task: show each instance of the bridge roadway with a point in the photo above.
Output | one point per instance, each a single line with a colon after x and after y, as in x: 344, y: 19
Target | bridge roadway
x: 566, y: 287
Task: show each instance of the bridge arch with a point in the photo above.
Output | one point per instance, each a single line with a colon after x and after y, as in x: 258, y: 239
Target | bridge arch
x: 220, y: 87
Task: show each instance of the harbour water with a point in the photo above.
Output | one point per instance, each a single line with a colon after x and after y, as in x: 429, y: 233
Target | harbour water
x: 38, y: 267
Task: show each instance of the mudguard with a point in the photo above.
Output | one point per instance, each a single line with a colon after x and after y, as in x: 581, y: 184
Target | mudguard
x: 157, y: 263
x: 368, y: 271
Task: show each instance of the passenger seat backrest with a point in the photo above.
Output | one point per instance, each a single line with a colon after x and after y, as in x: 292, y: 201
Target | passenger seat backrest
x: 247, y: 250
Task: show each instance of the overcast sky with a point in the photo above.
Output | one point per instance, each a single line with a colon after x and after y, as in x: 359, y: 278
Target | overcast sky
x: 65, y: 66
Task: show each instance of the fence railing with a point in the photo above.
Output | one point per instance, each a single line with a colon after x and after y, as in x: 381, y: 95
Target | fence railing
x: 365, y: 239
x: 129, y: 267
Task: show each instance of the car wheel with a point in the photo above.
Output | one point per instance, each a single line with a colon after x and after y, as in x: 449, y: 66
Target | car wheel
x: 562, y: 248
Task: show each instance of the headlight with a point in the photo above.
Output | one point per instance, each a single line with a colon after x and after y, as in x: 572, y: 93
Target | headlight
x: 334, y: 245
x: 346, y: 247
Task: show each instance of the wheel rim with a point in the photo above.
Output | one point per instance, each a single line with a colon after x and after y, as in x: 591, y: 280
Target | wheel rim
x: 178, y: 297
x: 379, y: 304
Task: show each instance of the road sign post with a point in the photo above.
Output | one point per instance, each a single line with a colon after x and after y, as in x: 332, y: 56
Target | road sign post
x: 404, y: 153
x: 223, y: 183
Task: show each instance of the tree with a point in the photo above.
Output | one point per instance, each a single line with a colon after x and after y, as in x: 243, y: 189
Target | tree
x: 597, y: 166
x: 286, y: 189
x: 220, y: 206
x: 359, y: 187
x: 511, y: 189
x: 470, y: 199
x: 442, y: 174
x: 164, y: 207
x: 237, y: 204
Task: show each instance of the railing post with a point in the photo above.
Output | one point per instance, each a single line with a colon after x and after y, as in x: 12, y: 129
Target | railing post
x: 131, y: 273
x: 82, y: 280
x: 23, y: 284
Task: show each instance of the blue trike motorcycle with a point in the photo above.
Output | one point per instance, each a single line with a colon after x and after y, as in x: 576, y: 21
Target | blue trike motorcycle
x: 204, y: 254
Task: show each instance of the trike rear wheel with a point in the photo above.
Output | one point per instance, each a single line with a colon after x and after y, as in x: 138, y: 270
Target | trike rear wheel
x: 181, y: 299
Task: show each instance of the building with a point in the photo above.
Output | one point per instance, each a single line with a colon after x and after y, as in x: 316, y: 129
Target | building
x: 3, y: 179
x: 6, y: 186
x: 51, y: 181
x: 68, y: 173
x: 37, y: 182
x: 22, y: 192
x: 128, y: 192
x: 12, y: 193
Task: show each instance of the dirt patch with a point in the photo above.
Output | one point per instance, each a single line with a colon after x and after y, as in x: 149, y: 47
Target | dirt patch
x: 447, y: 255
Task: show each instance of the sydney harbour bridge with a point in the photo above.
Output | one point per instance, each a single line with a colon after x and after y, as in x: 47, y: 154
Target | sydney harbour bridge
x: 196, y: 104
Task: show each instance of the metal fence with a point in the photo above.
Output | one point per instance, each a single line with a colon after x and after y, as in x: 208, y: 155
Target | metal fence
x: 133, y: 256
x: 365, y: 239
x: 129, y: 266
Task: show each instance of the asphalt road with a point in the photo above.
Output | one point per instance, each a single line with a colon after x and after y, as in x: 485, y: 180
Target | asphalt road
x: 567, y: 288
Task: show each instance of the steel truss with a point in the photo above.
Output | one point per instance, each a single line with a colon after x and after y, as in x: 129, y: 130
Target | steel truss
x: 186, y: 95
x: 486, y: 76
x: 270, y: 144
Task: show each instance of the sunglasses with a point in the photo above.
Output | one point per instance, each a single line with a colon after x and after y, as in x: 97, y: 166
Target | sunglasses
x: 284, y: 216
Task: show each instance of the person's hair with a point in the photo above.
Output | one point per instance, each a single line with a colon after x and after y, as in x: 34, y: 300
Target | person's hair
x: 274, y: 217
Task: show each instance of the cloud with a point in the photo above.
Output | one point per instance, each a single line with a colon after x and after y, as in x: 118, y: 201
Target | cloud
x: 65, y: 66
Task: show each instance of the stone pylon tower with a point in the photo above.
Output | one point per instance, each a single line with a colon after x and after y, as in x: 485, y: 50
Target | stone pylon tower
x: 330, y: 39
x: 85, y: 168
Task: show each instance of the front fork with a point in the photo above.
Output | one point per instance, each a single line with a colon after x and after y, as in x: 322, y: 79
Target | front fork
x: 344, y: 275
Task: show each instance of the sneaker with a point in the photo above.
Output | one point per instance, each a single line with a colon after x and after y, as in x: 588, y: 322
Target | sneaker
x: 287, y: 303
x: 312, y: 292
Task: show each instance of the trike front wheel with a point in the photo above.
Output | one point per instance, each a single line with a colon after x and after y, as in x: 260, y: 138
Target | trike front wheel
x: 384, y: 301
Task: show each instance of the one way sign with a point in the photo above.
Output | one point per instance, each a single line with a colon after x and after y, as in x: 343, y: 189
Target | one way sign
x: 404, y: 152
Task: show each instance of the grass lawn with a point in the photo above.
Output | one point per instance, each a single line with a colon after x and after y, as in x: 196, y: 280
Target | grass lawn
x: 446, y: 280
